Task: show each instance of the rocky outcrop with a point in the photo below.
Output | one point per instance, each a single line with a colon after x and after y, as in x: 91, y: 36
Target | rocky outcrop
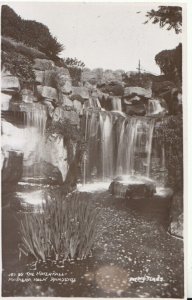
x: 132, y: 187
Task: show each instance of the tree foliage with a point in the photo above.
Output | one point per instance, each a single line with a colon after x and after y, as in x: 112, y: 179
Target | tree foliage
x: 32, y: 33
x: 170, y: 63
x: 166, y: 16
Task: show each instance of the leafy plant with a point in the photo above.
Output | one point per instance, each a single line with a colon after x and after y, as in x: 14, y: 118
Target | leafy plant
x: 65, y: 229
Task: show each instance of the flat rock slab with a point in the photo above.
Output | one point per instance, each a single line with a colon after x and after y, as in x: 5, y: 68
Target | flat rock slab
x: 132, y: 187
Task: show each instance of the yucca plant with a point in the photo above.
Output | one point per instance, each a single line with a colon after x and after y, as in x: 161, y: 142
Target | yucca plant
x: 64, y: 229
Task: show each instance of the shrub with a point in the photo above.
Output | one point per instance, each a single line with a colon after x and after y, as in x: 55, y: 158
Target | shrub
x: 19, y: 65
x: 65, y: 229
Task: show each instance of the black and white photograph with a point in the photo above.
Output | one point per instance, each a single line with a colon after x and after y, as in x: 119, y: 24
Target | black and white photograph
x: 92, y: 181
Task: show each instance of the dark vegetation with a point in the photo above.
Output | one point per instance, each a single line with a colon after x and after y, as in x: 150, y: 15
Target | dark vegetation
x: 169, y: 132
x: 31, y: 33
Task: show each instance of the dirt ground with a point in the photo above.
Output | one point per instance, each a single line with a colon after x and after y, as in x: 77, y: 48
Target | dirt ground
x: 133, y: 257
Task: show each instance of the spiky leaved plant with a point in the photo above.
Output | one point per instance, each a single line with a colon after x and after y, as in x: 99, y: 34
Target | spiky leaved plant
x: 65, y: 229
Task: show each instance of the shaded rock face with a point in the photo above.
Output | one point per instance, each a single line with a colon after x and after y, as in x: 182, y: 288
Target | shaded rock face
x: 47, y: 92
x: 43, y: 172
x: 81, y: 92
x: 176, y: 227
x: 176, y: 216
x: 12, y: 168
x: 63, y: 80
x: 5, y: 101
x: 62, y: 115
x: 43, y: 64
x: 132, y: 187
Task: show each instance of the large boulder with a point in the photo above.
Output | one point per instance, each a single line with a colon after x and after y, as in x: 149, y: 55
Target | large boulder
x: 10, y: 84
x: 39, y: 76
x: 63, y: 80
x: 137, y: 90
x: 12, y: 168
x: 43, y: 64
x: 47, y: 92
x: 62, y: 115
x: 132, y: 187
x: 5, y: 101
x: 80, y: 91
x: 114, y: 89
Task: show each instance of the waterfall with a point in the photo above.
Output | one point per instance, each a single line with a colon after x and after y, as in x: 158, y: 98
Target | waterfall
x: 35, y: 118
x: 154, y: 107
x: 116, y: 104
x: 135, y: 145
x: 106, y: 126
x: 118, y: 145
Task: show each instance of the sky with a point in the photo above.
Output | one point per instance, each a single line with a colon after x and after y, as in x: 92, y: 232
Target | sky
x: 103, y: 35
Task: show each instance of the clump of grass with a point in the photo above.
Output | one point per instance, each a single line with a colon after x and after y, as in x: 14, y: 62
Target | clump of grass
x: 65, y: 229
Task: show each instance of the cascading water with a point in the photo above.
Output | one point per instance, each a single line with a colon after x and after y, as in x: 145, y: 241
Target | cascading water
x: 154, y: 107
x: 118, y: 146
x: 116, y: 104
x: 106, y: 125
x: 35, y: 118
x: 134, y: 148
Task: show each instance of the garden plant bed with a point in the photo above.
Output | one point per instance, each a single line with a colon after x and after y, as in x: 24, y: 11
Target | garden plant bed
x: 133, y: 257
